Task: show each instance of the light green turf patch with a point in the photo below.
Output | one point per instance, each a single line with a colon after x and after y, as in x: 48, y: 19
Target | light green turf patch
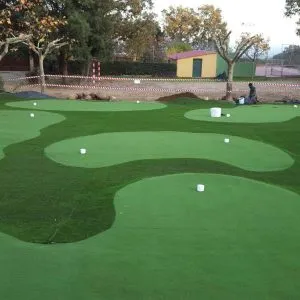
x: 18, y: 126
x: 240, y: 237
x: 77, y: 105
x: 109, y: 149
x: 249, y: 114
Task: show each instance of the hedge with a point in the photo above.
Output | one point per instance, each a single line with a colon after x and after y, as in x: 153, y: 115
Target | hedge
x: 118, y: 68
x: 138, y: 68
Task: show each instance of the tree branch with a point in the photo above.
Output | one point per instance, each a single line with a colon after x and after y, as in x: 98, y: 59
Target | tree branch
x: 221, y: 45
x: 54, y: 45
x: 10, y: 41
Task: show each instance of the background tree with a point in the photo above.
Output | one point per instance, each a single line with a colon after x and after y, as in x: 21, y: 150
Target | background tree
x: 43, y: 29
x: 10, y: 33
x: 181, y: 24
x: 99, y: 26
x: 290, y: 55
x: 245, y: 42
x: 139, y: 34
x: 260, y: 48
x: 91, y: 24
x: 211, y: 24
x: 292, y: 8
x: 137, y: 29
x: 178, y: 47
x: 194, y: 27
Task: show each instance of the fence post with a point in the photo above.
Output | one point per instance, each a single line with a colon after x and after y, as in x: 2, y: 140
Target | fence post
x: 99, y: 69
x: 94, y: 71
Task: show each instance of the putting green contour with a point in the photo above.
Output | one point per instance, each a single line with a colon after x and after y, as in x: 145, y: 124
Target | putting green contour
x: 110, y: 149
x: 239, y: 237
x: 248, y: 114
x: 77, y: 105
x: 18, y: 126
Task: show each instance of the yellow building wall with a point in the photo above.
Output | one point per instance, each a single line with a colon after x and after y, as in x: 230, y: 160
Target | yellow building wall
x: 209, y: 66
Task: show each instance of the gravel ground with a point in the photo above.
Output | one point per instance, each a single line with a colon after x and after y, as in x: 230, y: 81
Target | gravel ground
x: 151, y: 90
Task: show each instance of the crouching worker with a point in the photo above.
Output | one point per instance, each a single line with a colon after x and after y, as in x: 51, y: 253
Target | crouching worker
x: 252, y: 98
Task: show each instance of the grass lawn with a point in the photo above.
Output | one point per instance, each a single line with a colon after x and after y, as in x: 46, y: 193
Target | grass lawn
x: 125, y: 220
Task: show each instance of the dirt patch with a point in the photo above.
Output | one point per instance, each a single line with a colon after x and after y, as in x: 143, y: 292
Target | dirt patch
x: 165, y: 90
x: 176, y: 96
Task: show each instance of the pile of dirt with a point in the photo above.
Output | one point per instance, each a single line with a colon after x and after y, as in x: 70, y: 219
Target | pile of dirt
x: 176, y: 96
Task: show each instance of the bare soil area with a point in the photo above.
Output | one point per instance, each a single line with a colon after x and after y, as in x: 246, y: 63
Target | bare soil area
x: 152, y: 90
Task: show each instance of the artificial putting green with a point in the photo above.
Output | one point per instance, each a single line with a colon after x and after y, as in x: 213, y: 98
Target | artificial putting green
x: 43, y: 202
x: 237, y: 240
x: 110, y: 149
x: 248, y: 114
x: 79, y: 105
x: 17, y: 126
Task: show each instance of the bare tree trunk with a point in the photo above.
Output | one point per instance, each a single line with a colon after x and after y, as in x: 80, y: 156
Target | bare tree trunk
x: 31, y: 61
x: 42, y: 73
x: 4, y: 52
x: 229, y: 81
x: 253, y: 68
x: 63, y: 65
x: 88, y: 69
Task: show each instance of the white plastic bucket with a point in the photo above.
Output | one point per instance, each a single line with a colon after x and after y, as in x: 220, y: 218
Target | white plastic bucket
x: 242, y: 100
x: 215, y: 112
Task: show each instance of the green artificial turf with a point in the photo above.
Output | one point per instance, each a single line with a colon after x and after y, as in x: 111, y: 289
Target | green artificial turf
x: 237, y: 240
x: 80, y: 105
x: 249, y: 114
x: 238, y: 250
x: 17, y: 126
x: 36, y: 190
x: 108, y: 149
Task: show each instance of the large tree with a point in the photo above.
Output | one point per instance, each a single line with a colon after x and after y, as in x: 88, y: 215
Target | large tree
x: 245, y: 42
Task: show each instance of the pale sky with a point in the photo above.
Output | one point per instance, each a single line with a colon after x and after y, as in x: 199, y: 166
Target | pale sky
x: 259, y: 16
